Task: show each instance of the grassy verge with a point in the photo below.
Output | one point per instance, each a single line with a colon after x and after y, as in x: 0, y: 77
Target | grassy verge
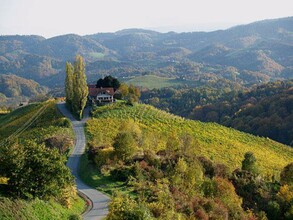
x: 38, y: 209
x: 93, y: 177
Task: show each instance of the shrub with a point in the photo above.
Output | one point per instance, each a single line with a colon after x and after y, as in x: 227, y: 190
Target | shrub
x: 273, y: 210
x: 61, y: 142
x: 207, y: 166
x: 221, y: 170
x: 287, y: 174
x: 74, y: 217
x: 209, y: 188
x: 249, y: 162
x: 122, y: 173
x: 102, y: 156
x: 64, y: 122
x: 123, y: 207
x: 125, y: 145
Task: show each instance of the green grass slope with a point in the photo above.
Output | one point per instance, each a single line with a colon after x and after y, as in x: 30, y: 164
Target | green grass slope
x: 36, y: 122
x: 219, y: 143
x: 38, y: 209
x: 156, y: 82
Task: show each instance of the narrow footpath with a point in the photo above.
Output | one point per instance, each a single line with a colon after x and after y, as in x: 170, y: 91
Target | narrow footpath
x: 99, y: 201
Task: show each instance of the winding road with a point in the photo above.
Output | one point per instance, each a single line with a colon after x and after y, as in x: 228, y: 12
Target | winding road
x: 99, y: 201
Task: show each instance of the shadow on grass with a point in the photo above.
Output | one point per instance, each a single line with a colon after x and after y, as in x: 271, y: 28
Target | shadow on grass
x: 93, y: 177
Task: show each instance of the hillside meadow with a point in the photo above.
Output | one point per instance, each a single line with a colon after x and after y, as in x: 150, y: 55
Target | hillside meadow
x: 157, y: 82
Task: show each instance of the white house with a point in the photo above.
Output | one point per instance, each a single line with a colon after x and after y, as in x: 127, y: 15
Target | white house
x: 101, y: 95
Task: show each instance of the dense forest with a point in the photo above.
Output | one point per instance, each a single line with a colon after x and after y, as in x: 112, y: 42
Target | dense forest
x: 264, y: 110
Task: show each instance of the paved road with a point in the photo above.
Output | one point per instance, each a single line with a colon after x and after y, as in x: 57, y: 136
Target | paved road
x: 99, y: 201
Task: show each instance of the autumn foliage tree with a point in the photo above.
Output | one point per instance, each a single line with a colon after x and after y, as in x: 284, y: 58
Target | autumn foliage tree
x: 130, y: 94
x: 125, y: 145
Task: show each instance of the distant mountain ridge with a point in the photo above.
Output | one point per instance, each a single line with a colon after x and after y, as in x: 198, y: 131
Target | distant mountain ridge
x: 262, y: 48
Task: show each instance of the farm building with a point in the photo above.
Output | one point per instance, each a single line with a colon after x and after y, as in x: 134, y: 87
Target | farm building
x: 100, y: 95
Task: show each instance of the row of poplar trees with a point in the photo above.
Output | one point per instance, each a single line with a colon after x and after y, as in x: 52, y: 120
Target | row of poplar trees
x: 76, y: 88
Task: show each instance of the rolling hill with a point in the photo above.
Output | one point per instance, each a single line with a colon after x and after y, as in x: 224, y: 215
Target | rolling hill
x: 263, y: 47
x: 15, y: 89
x: 265, y: 110
x: 222, y: 144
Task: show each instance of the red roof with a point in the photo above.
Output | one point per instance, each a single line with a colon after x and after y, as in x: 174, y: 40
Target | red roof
x: 93, y: 91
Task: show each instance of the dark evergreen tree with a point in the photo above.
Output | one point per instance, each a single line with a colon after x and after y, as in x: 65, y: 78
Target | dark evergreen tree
x: 108, y: 81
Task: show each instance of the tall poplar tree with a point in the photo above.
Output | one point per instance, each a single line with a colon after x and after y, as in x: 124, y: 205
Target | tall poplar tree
x: 69, y: 84
x: 80, y: 89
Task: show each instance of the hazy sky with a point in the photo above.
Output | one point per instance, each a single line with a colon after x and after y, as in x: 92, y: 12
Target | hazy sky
x: 54, y: 17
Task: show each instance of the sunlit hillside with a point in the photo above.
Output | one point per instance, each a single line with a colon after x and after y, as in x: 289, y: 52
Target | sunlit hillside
x: 219, y: 143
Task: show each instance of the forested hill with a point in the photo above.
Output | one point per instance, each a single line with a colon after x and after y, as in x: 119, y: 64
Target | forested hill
x: 264, y: 110
x: 15, y: 89
x: 246, y: 54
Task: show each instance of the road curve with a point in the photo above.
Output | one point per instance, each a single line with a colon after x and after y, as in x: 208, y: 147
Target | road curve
x: 99, y: 201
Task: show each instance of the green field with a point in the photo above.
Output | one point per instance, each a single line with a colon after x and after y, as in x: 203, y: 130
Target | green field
x: 219, y: 143
x: 38, y: 210
x: 97, y: 55
x: 156, y: 82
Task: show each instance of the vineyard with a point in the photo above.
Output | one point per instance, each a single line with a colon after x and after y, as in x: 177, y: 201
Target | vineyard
x: 35, y: 122
x: 216, y: 142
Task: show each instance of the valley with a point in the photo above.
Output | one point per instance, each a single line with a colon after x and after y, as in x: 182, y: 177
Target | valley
x: 138, y: 124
